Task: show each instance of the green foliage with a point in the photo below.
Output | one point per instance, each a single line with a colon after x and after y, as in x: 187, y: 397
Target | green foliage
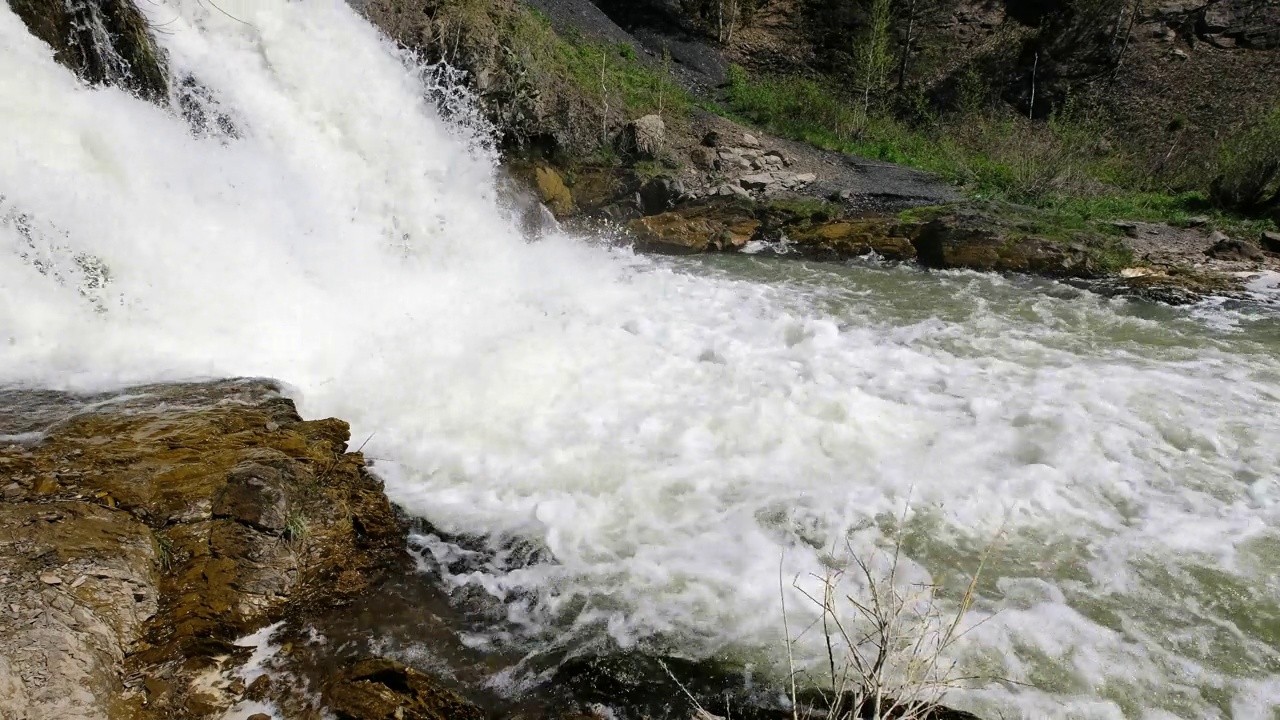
x: 1064, y: 165
x: 1247, y: 177
x: 609, y: 73
x: 873, y: 53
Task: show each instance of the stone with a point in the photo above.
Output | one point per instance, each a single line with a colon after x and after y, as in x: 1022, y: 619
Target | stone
x: 194, y: 462
x: 659, y: 195
x: 758, y: 182
x: 751, y: 141
x: 381, y: 689
x: 259, y: 688
x: 1226, y: 248
x: 643, y: 138
x: 1271, y: 241
x: 254, y: 495
x: 1197, y: 221
x: 730, y: 190
x: 703, y: 158
x: 698, y: 227
x: 553, y: 191
x: 259, y: 716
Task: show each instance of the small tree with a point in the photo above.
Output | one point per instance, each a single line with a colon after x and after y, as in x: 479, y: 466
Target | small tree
x: 875, y: 59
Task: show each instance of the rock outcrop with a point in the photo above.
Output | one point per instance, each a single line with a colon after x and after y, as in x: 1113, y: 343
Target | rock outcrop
x: 143, y: 532
x: 103, y: 41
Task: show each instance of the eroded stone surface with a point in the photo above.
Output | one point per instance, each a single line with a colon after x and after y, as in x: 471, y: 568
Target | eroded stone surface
x: 145, y: 530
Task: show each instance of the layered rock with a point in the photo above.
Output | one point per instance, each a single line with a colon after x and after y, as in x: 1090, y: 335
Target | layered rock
x: 144, y: 532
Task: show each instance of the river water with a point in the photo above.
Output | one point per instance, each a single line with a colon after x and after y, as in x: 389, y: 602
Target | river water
x: 670, y: 436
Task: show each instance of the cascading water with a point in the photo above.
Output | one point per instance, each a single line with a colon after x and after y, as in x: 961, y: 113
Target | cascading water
x: 667, y: 431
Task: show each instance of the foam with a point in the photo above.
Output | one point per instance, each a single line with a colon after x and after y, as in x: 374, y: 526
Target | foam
x: 668, y: 430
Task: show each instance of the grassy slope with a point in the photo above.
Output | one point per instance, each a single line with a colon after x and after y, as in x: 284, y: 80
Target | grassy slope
x: 1062, y: 166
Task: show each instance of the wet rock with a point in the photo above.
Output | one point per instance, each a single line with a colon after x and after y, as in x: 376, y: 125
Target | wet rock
x: 553, y: 191
x: 254, y: 495
x: 221, y: 528
x: 1009, y: 239
x: 259, y: 689
x: 698, y: 227
x: 1226, y: 248
x: 381, y: 689
x: 659, y: 195
x: 854, y: 238
x: 106, y: 42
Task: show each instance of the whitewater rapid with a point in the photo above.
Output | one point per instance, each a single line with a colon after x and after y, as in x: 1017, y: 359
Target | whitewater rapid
x: 669, y: 431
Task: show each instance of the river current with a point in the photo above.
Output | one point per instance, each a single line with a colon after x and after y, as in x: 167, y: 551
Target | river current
x: 670, y: 436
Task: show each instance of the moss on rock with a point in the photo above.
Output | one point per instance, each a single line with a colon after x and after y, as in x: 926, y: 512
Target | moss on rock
x: 130, y: 60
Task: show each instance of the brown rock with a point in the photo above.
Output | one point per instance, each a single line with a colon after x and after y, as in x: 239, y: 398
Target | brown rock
x: 1226, y: 248
x: 997, y: 239
x: 192, y: 461
x: 259, y: 688
x: 1271, y: 241
x: 697, y: 228
x: 254, y: 495
x: 845, y: 239
x: 380, y: 689
x: 259, y: 716
x: 551, y: 187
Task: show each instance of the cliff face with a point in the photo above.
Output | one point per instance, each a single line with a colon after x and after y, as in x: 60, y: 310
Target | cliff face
x: 1167, y: 73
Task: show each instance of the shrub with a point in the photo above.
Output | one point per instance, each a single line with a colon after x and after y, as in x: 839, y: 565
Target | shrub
x: 1247, y: 177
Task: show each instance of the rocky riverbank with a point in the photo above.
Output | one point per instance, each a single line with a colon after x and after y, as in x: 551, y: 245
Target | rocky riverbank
x: 592, y: 149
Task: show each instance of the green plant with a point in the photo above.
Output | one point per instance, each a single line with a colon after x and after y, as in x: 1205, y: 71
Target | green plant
x: 874, y: 56
x: 164, y: 551
x: 1247, y: 175
x: 295, y: 531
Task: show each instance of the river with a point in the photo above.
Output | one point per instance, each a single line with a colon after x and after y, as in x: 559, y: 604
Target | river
x: 675, y: 439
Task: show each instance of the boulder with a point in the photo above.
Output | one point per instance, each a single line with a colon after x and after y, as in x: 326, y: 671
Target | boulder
x: 381, y: 689
x: 553, y: 191
x: 1227, y: 248
x: 697, y: 227
x: 1271, y: 241
x: 1010, y: 239
x: 844, y: 239
x: 643, y: 138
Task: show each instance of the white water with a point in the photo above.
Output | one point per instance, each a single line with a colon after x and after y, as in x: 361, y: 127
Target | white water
x: 668, y: 431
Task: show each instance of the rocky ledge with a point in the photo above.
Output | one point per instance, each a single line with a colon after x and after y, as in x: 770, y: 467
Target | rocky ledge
x: 737, y: 192
x: 142, y: 533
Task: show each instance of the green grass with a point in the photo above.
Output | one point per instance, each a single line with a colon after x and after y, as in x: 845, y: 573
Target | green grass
x: 609, y: 73
x: 1060, y: 166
